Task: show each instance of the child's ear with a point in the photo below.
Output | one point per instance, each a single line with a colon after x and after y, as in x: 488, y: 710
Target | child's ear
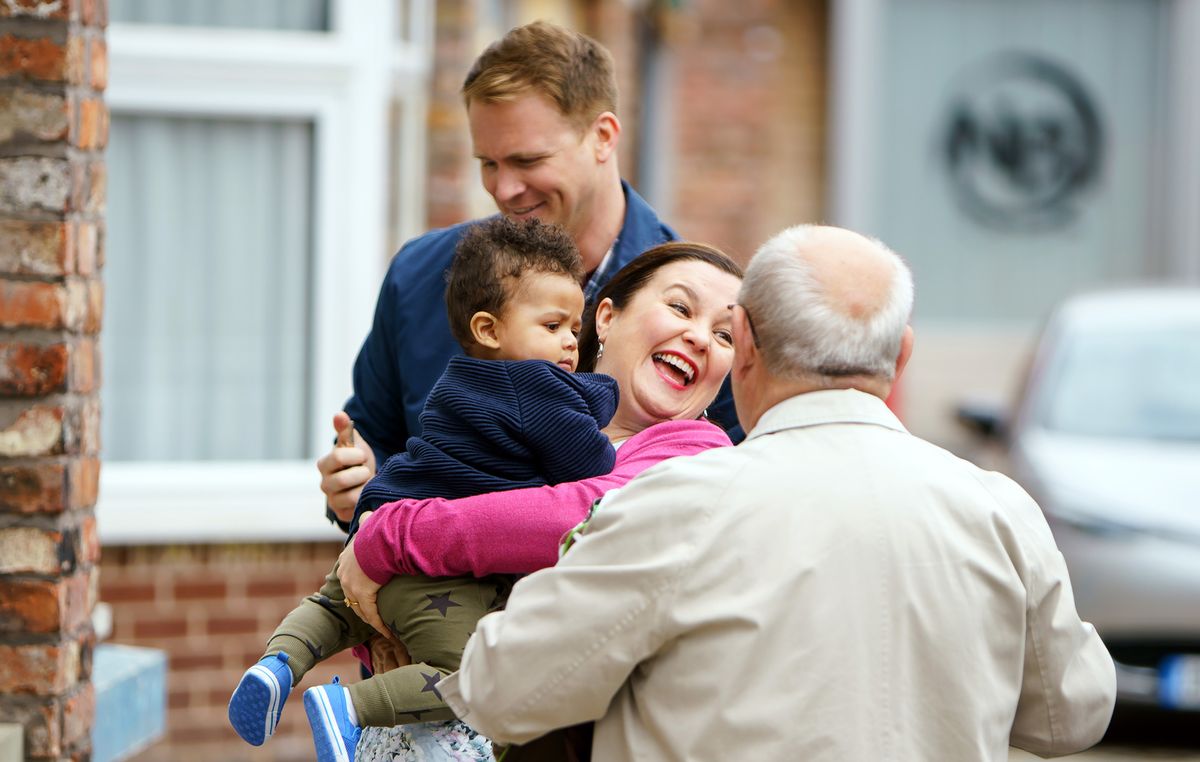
x: 483, y: 330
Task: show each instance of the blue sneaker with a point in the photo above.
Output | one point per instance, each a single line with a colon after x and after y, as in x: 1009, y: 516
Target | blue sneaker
x: 257, y: 702
x: 334, y: 735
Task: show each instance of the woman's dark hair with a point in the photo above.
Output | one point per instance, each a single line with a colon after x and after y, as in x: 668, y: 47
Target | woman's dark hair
x: 630, y: 279
x: 490, y: 259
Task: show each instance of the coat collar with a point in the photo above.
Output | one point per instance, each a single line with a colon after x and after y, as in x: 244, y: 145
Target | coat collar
x: 640, y: 230
x: 826, y: 407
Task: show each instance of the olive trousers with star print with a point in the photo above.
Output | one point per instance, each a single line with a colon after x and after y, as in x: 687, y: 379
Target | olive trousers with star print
x: 432, y: 616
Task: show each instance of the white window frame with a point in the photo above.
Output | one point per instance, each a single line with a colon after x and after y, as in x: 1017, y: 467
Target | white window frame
x: 343, y: 82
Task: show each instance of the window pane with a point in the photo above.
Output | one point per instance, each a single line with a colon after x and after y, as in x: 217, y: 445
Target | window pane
x: 207, y: 276
x: 297, y: 15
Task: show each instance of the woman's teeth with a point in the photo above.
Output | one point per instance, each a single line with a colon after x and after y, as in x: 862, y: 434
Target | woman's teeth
x: 677, y: 363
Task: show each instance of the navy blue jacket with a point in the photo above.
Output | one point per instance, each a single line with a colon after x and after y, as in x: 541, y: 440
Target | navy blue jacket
x: 492, y: 425
x: 410, y: 342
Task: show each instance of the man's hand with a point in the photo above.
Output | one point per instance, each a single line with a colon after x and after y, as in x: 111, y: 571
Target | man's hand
x: 346, y: 468
x: 361, y: 591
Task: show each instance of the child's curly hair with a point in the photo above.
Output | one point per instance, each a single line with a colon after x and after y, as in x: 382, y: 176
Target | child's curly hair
x: 489, y: 261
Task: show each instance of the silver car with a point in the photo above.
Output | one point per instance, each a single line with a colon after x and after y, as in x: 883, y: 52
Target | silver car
x: 1106, y: 437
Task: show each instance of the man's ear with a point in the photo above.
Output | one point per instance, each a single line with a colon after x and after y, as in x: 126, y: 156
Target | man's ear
x: 906, y: 348
x: 483, y: 330
x: 606, y: 132
x: 745, y: 354
x: 604, y: 316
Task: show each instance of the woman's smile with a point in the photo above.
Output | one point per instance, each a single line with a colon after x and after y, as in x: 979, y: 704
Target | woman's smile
x: 677, y: 370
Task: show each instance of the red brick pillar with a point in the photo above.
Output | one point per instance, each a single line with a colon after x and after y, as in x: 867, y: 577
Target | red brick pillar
x: 450, y: 169
x: 53, y: 128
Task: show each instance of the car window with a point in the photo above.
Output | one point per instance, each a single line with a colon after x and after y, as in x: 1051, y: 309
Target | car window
x: 1141, y: 384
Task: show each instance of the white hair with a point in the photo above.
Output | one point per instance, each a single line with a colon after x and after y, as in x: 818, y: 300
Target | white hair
x: 801, y: 334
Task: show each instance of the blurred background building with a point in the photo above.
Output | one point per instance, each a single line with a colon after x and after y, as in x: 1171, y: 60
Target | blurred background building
x: 266, y: 159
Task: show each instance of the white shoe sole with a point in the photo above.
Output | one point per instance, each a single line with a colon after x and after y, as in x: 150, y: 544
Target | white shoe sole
x: 260, y: 699
x: 327, y: 734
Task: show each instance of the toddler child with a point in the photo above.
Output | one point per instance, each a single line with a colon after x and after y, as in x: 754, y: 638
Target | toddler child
x: 508, y: 415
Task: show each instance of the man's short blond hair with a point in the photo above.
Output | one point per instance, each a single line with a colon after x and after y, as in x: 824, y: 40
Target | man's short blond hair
x: 571, y: 69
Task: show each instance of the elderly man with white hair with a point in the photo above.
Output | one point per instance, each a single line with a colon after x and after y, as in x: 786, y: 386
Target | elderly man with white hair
x: 833, y: 588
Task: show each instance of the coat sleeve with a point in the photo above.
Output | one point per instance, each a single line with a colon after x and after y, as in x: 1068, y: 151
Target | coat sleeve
x: 1068, y: 687
x: 377, y: 405
x: 572, y: 634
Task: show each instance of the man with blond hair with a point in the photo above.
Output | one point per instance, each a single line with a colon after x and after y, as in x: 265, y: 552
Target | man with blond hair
x: 541, y: 103
x: 833, y: 588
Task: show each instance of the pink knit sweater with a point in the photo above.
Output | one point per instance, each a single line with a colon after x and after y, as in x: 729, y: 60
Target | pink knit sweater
x: 513, y: 532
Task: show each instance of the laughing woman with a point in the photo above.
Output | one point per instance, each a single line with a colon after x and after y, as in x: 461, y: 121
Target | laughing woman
x: 661, y: 328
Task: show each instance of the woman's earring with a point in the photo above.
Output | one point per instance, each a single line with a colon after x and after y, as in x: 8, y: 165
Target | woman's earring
x: 599, y: 349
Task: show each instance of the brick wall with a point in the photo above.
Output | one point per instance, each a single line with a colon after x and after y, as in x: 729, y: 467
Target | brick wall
x: 212, y: 608
x: 53, y: 128
x: 451, y: 168
x: 749, y: 104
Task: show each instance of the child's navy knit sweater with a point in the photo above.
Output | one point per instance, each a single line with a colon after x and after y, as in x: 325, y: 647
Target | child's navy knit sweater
x: 495, y: 425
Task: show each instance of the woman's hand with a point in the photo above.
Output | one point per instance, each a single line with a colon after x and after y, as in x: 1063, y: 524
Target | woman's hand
x: 360, y: 590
